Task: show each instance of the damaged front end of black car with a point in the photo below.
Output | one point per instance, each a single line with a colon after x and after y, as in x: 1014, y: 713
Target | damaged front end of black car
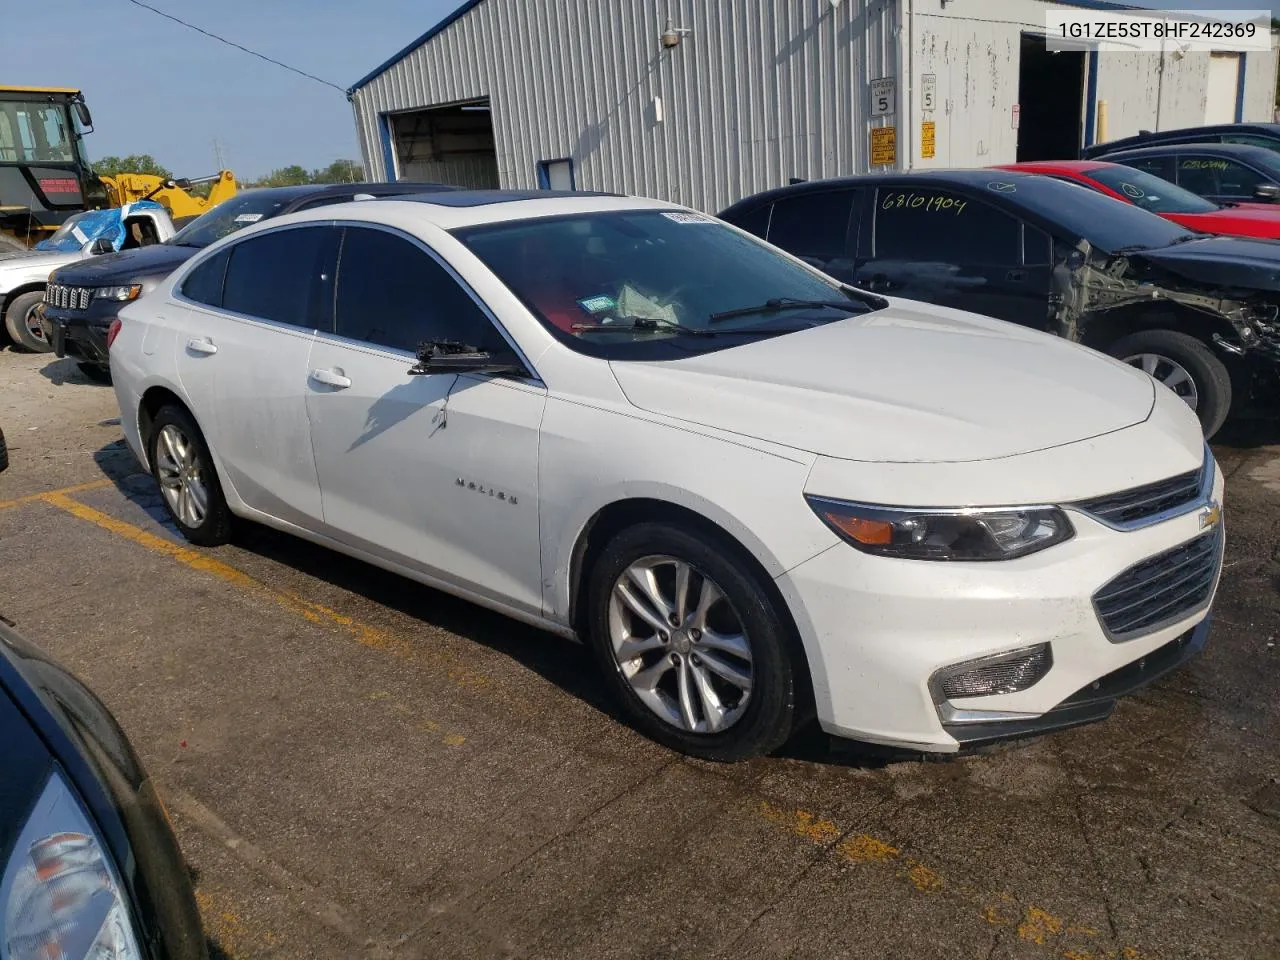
x: 1201, y: 316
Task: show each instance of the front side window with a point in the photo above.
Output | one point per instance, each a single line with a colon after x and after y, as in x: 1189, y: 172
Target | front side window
x: 926, y: 224
x: 394, y: 294
x: 277, y: 276
x: 1216, y: 176
x: 1150, y: 193
x: 653, y: 284
x: 228, y: 217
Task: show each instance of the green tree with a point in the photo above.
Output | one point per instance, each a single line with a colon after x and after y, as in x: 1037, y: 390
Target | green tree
x: 134, y: 163
x: 340, y: 171
x: 285, y: 177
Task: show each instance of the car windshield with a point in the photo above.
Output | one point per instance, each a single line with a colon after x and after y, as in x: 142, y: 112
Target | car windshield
x: 68, y: 226
x: 641, y: 284
x: 228, y: 217
x: 1105, y: 222
x: 1150, y: 192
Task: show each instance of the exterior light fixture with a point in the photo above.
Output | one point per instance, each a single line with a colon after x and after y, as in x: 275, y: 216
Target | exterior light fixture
x: 671, y: 34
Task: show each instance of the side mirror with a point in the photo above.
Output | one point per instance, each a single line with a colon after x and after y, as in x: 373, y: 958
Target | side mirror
x: 449, y: 356
x: 1266, y: 192
x: 100, y: 246
x: 83, y: 114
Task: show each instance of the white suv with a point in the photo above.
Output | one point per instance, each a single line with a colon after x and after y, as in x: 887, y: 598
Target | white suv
x: 758, y: 494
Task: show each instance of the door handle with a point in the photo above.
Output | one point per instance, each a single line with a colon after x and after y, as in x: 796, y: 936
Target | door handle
x: 1016, y: 276
x: 202, y: 345
x: 331, y: 378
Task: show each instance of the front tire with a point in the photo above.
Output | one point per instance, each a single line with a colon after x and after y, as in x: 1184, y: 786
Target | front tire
x: 690, y: 642
x: 22, y: 326
x: 1185, y: 365
x: 183, y: 467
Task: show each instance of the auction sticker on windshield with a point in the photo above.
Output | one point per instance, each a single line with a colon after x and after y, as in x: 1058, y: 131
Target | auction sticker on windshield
x: 688, y: 218
x: 249, y: 218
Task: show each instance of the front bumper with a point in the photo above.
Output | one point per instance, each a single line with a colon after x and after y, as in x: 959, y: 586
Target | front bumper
x: 877, y: 629
x: 77, y: 335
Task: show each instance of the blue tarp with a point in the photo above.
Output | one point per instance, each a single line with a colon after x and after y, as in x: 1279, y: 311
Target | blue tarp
x: 92, y: 224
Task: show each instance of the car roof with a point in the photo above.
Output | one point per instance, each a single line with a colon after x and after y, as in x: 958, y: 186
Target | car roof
x: 1182, y: 134
x: 309, y: 191
x: 969, y: 177
x: 450, y: 211
x: 1238, y: 151
x: 1067, y: 166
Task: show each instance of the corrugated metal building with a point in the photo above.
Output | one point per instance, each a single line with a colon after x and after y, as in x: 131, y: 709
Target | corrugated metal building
x: 586, y: 94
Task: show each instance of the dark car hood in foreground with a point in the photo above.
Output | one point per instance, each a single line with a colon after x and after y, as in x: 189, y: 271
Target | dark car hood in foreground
x: 1222, y: 261
x: 112, y: 268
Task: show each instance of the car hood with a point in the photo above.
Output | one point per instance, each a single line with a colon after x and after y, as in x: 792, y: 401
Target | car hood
x: 22, y: 268
x: 160, y: 260
x: 1221, y: 261
x: 906, y: 384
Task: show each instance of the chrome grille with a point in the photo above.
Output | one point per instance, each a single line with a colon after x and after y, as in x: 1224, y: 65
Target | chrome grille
x: 1162, y: 590
x: 68, y: 298
x: 1130, y: 508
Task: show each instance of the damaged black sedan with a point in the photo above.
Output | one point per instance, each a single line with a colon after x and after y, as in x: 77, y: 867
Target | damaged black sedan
x: 1197, y: 312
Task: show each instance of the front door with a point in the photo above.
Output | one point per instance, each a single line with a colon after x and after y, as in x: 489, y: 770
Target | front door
x: 945, y: 247
x: 436, y: 471
x: 1218, y: 178
x: 243, y: 354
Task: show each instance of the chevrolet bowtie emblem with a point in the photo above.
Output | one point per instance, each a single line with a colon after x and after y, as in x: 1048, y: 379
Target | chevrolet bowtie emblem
x: 1211, y: 516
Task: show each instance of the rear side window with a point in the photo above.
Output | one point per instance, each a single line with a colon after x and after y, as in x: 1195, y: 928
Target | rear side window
x: 394, y: 294
x: 277, y: 276
x: 1161, y: 167
x: 813, y: 224
x: 924, y: 224
x: 204, y: 283
x: 1252, y: 139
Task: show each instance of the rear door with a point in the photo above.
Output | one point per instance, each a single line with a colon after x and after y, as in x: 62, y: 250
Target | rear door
x: 949, y: 247
x: 254, y: 308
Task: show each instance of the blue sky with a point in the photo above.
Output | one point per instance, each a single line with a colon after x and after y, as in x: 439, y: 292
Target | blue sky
x: 156, y: 87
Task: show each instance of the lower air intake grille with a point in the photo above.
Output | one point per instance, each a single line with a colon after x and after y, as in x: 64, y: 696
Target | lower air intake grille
x: 1160, y: 591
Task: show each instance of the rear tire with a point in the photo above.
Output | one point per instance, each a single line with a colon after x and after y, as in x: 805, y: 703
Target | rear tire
x: 720, y: 684
x: 22, y: 326
x: 1171, y: 357
x: 182, y: 466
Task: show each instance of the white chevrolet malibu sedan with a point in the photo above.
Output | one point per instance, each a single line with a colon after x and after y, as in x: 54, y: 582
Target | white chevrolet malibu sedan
x: 757, y: 494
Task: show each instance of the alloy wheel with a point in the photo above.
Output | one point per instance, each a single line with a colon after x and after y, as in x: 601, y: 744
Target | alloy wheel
x: 681, y: 646
x: 181, y: 476
x: 32, y: 323
x: 1169, y: 372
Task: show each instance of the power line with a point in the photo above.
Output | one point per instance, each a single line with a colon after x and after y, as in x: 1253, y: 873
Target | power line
x: 232, y: 43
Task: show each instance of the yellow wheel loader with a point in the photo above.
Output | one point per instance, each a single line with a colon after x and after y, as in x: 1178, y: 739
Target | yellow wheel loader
x: 45, y: 175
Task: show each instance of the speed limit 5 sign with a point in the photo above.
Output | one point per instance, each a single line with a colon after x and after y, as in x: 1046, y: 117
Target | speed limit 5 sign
x: 884, y: 96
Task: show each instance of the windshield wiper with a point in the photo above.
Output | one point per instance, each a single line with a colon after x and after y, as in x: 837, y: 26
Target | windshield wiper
x: 643, y: 323
x: 787, y: 303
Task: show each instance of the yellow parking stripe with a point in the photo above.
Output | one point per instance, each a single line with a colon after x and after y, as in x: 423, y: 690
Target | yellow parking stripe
x: 65, y: 491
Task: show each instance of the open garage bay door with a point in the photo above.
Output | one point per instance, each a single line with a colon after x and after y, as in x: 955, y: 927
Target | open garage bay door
x: 451, y: 145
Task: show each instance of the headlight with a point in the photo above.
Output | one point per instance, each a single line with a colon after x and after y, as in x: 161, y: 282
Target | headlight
x: 127, y: 292
x: 59, y: 894
x: 944, y: 534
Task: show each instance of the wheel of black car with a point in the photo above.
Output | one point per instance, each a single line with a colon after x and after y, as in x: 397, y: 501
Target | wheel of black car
x: 183, y: 468
x: 97, y: 372
x: 691, y: 643
x: 21, y: 324
x: 1186, y: 366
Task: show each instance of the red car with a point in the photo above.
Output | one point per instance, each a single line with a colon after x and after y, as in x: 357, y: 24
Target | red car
x: 1162, y: 197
